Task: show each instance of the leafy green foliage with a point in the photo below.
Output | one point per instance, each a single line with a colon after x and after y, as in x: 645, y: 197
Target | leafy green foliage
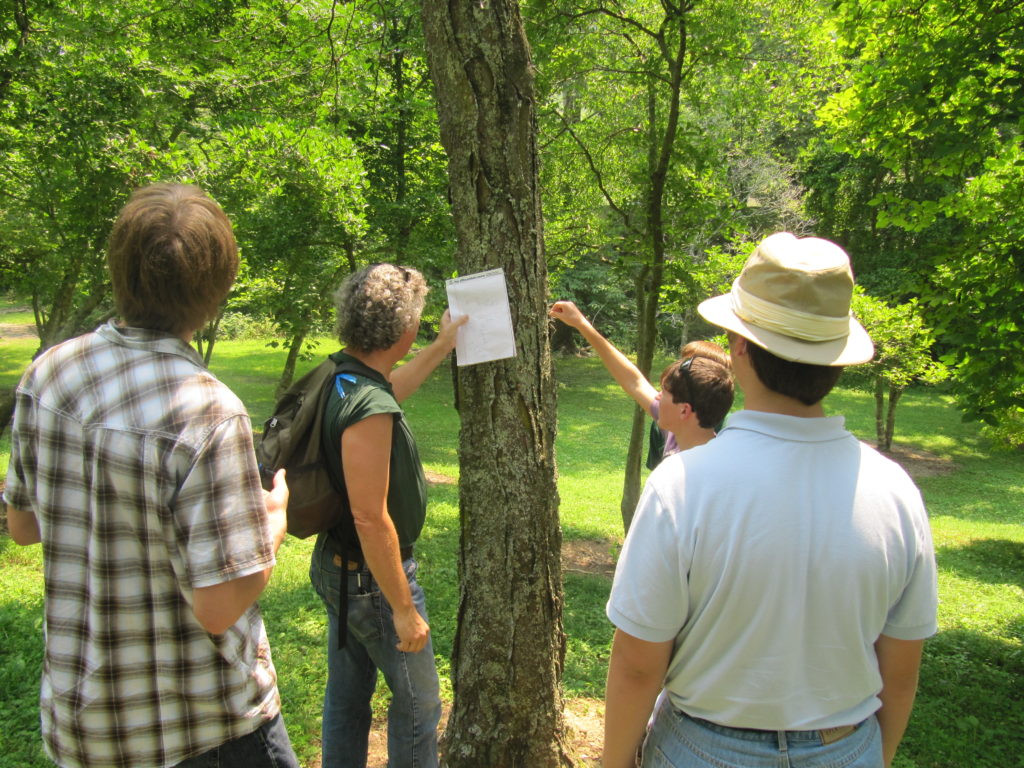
x: 296, y: 198
x: 667, y: 134
x: 903, y: 356
x: 932, y: 121
x: 310, y: 123
x: 902, y: 342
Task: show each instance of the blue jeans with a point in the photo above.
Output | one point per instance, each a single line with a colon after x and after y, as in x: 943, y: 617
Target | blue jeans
x: 415, y: 707
x: 679, y: 741
x: 266, y: 747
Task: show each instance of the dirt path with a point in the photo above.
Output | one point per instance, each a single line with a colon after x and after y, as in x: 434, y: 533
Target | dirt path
x: 17, y: 331
x: 583, y: 717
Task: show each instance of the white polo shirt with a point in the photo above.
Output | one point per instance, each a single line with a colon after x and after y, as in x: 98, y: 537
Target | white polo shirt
x: 774, y: 557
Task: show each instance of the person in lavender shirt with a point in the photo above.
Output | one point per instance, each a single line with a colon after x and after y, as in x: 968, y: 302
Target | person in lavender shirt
x: 696, y: 390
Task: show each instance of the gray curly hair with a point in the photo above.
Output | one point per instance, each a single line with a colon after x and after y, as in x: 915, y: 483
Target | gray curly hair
x: 377, y: 304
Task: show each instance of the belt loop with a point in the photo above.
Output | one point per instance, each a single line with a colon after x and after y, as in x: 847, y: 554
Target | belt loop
x: 783, y: 747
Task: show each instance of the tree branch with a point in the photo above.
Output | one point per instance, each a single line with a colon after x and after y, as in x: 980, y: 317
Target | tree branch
x: 597, y: 175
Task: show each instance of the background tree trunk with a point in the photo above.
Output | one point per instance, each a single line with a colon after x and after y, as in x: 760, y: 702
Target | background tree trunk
x: 880, y: 387
x: 509, y: 645
x: 662, y: 129
x: 288, y: 372
x: 890, y: 416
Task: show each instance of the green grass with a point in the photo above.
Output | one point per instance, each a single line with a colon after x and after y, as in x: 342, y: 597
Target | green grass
x: 15, y: 314
x: 969, y: 710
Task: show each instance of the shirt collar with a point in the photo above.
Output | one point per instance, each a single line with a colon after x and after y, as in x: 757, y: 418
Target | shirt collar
x: 797, y: 428
x: 148, y: 340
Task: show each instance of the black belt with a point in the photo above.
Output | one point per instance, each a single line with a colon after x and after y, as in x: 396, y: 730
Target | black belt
x: 355, y: 562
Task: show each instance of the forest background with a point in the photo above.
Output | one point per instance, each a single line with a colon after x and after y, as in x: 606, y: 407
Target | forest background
x: 672, y: 137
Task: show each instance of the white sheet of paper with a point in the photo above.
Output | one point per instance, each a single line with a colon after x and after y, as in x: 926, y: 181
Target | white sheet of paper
x: 487, y: 335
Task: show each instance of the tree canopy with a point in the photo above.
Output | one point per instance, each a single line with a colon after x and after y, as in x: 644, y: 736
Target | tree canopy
x: 931, y: 121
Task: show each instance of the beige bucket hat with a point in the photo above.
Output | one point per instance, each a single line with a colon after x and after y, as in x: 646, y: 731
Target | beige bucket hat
x: 793, y: 298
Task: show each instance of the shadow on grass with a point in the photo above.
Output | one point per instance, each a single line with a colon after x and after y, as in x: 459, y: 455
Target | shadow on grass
x: 969, y: 706
x: 297, y: 629
x: 588, y: 634
x: 21, y: 660
x: 995, y: 561
x: 985, y: 490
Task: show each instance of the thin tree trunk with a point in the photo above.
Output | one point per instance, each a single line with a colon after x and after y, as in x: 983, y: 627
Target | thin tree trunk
x: 634, y: 457
x: 212, y: 329
x: 288, y: 373
x: 649, y: 283
x: 890, y: 418
x: 880, y: 413
x: 509, y: 645
x: 6, y: 408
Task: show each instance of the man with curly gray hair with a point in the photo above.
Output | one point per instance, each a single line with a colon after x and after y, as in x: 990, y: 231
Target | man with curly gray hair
x: 372, y: 454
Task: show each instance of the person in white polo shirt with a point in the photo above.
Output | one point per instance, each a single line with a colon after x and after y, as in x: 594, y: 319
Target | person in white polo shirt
x: 780, y: 580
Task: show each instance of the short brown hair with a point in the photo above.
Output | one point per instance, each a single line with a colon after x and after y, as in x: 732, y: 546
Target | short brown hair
x: 705, y: 384
x: 172, y: 258
x: 805, y: 382
x: 704, y: 348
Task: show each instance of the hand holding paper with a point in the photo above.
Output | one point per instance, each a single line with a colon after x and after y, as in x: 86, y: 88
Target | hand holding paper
x: 488, y: 334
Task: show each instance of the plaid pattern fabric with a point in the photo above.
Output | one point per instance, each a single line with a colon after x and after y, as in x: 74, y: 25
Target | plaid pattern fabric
x: 139, y: 467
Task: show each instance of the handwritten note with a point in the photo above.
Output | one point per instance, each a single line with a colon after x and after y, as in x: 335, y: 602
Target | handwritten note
x: 487, y: 335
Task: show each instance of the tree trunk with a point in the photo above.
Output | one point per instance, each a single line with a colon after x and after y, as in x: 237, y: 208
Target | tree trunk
x: 563, y: 339
x: 634, y: 458
x: 660, y: 143
x: 6, y: 408
x: 288, y: 373
x: 509, y: 645
x: 213, y: 327
x: 405, y: 221
x: 890, y: 416
x: 880, y: 414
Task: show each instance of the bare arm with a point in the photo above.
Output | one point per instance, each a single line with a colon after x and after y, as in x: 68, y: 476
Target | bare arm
x: 365, y: 456
x: 218, y: 607
x: 636, y: 675
x: 626, y: 374
x: 406, y: 379
x: 899, y: 662
x: 23, y: 526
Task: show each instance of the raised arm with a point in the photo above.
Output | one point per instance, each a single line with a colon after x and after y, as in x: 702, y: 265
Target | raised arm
x: 406, y: 379
x: 626, y: 374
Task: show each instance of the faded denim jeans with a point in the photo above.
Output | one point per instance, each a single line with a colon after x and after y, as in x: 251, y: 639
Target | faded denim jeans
x: 679, y: 741
x: 415, y: 707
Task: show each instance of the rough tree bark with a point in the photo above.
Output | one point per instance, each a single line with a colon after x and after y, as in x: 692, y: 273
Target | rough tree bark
x: 509, y: 646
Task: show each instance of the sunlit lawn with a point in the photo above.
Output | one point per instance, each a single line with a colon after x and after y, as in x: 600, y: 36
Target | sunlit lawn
x: 969, y: 712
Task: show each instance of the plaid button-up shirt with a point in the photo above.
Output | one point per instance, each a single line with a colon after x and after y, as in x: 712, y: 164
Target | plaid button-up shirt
x: 139, y: 467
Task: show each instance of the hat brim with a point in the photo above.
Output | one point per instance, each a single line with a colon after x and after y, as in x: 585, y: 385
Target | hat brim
x: 855, y: 348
